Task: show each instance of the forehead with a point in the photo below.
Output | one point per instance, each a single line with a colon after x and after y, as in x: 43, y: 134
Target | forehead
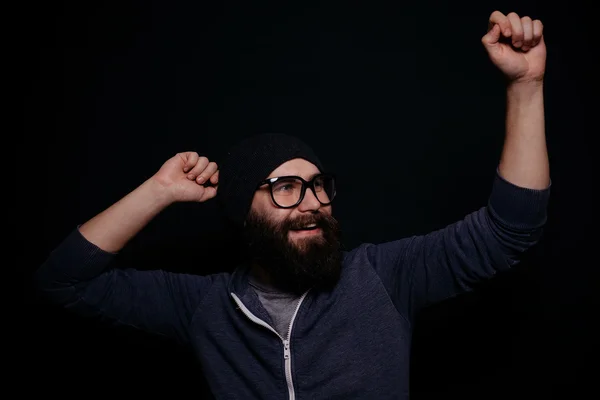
x: 298, y: 167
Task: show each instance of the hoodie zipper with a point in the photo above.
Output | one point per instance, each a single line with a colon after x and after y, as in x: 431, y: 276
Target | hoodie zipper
x: 287, y: 352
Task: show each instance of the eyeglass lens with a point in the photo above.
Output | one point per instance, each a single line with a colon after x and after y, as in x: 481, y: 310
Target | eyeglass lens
x: 287, y: 191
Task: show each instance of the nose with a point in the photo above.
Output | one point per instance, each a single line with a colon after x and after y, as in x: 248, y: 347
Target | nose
x: 309, y: 203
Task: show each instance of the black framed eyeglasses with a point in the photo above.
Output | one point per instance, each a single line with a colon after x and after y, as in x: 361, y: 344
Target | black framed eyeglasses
x: 289, y: 191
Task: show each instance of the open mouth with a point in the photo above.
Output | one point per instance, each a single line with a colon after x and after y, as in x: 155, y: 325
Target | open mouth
x: 306, y: 231
x: 310, y: 227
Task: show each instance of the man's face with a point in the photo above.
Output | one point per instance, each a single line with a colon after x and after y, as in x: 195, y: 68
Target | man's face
x: 298, y: 247
x: 262, y: 203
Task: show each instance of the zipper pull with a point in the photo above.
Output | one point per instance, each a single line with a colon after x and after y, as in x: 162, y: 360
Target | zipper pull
x: 286, y: 348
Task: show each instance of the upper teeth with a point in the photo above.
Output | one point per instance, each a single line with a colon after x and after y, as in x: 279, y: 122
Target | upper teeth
x: 310, y: 226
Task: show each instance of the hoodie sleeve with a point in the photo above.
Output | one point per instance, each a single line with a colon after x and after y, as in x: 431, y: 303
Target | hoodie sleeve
x: 422, y: 270
x: 78, y: 276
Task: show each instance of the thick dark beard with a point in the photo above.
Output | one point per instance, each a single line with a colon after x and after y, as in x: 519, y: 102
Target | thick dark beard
x: 311, y: 262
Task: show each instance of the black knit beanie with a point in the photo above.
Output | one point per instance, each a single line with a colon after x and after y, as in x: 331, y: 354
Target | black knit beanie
x: 251, y: 161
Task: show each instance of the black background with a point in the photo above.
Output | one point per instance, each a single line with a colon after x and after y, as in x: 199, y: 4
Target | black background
x: 398, y: 99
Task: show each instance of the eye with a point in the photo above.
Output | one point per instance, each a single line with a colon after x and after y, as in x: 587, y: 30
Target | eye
x: 286, y: 186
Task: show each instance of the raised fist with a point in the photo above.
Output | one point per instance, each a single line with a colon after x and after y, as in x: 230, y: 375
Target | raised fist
x: 188, y: 176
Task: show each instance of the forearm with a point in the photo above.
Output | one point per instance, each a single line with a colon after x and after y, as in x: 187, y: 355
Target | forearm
x: 114, y: 227
x: 524, y: 160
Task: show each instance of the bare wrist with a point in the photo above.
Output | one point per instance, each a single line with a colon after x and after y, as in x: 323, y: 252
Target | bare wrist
x: 527, y: 86
x: 158, y: 192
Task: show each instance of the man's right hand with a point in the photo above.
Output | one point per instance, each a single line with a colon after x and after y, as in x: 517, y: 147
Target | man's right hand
x: 188, y: 177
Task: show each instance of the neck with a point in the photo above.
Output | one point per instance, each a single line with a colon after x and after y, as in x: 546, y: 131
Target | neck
x: 263, y: 280
x: 260, y: 276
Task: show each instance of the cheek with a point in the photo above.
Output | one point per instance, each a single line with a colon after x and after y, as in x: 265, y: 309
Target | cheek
x: 280, y: 216
x: 326, y: 210
x: 265, y: 207
x: 261, y: 203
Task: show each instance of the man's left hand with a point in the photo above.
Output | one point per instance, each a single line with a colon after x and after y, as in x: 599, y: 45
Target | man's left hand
x: 516, y: 46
